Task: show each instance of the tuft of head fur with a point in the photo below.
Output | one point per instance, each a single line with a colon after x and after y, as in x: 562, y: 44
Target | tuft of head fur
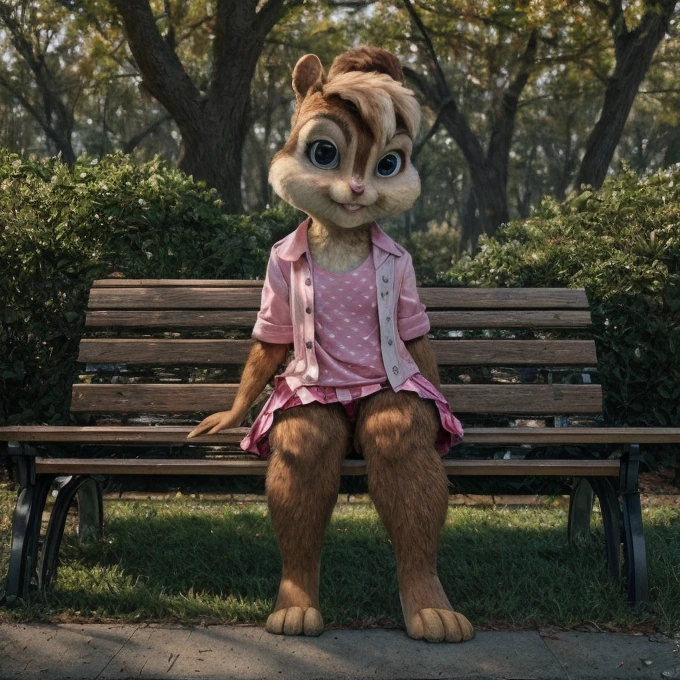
x: 369, y: 60
x: 381, y: 101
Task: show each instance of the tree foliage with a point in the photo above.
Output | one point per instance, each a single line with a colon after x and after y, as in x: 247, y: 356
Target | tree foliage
x: 622, y: 244
x: 62, y: 229
x: 511, y: 91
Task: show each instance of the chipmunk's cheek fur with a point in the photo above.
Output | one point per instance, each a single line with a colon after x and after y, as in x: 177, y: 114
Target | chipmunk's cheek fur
x: 400, y: 193
x: 303, y: 190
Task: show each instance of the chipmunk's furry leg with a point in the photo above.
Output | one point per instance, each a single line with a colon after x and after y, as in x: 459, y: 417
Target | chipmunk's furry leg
x: 309, y: 444
x: 396, y: 433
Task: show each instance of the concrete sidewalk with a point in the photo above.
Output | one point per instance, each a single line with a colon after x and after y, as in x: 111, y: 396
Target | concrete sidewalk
x: 52, y: 652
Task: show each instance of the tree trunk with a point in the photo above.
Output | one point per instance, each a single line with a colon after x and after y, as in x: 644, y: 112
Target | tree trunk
x: 634, y: 51
x: 217, y: 161
x: 213, y: 126
x: 486, y: 207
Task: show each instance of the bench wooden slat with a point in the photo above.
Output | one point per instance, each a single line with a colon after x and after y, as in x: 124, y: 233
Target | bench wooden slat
x: 177, y: 283
x: 210, y: 318
x: 151, y: 299
x: 472, y: 399
x: 504, y: 298
x: 448, y: 352
x: 214, y: 297
x: 164, y: 466
x: 489, y: 298
x: 471, y: 319
x: 524, y: 298
x: 175, y: 435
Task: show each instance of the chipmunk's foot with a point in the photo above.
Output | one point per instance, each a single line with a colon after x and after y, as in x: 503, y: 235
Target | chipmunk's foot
x: 439, y: 625
x: 295, y: 621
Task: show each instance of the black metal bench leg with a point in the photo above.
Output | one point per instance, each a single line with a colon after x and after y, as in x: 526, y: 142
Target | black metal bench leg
x: 580, y: 509
x: 611, y: 514
x: 633, y: 531
x: 87, y: 490
x: 90, y: 511
x: 26, y: 526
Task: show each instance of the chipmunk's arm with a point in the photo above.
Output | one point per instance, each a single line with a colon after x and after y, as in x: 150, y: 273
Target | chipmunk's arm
x: 423, y: 354
x: 262, y: 362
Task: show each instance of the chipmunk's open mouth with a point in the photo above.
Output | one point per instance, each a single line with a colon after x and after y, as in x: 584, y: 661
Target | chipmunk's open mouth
x: 352, y: 207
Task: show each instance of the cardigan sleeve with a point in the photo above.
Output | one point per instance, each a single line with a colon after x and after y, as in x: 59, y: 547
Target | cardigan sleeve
x: 412, y: 320
x: 274, y: 322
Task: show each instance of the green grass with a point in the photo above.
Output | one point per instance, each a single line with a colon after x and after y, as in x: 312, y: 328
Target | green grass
x: 191, y: 560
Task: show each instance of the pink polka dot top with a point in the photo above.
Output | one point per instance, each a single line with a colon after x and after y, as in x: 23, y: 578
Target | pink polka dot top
x: 347, y: 328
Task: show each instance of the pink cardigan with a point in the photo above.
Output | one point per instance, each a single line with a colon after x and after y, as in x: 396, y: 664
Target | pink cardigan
x: 287, y: 310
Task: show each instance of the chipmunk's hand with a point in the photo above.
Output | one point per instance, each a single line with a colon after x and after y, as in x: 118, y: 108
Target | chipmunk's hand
x: 216, y: 422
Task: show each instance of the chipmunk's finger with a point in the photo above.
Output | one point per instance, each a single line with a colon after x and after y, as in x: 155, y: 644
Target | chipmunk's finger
x: 200, y: 429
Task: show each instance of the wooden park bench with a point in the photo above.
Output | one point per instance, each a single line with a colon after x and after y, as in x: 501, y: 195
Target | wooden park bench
x: 161, y: 354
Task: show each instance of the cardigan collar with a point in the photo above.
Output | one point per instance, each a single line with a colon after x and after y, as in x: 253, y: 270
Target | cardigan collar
x: 292, y: 247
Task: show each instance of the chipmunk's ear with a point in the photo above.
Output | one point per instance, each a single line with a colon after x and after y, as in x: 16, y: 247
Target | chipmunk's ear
x: 308, y: 76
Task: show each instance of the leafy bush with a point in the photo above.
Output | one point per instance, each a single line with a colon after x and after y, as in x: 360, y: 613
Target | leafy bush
x: 433, y: 251
x: 622, y: 244
x: 60, y: 230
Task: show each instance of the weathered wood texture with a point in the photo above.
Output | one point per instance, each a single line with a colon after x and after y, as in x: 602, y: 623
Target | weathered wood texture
x: 448, y: 352
x: 175, y: 435
x: 196, y: 296
x: 452, y: 320
x: 164, y: 466
x: 175, y: 298
x: 176, y: 283
x: 470, y: 399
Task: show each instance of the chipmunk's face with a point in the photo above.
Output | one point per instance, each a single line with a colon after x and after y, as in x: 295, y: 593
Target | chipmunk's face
x: 345, y: 168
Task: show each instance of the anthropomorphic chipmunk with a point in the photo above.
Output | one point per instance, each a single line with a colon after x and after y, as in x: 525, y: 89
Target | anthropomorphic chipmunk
x: 363, y: 373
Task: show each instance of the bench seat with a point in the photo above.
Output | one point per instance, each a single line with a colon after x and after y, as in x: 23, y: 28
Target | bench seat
x: 174, y: 435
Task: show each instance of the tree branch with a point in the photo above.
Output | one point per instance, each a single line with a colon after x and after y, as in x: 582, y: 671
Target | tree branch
x: 45, y: 81
x: 18, y: 94
x: 440, y: 78
x: 163, y: 74
x: 137, y: 139
x: 431, y: 133
x: 634, y: 53
x: 442, y: 99
x: 527, y: 63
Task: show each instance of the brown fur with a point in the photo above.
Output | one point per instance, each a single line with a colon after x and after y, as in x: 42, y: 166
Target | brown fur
x: 396, y: 432
x: 368, y: 59
x: 365, y: 115
x: 339, y: 250
x: 423, y: 354
x: 308, y: 445
x: 308, y: 76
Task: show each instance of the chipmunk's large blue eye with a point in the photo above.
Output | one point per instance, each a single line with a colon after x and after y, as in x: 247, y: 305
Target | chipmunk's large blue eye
x: 389, y: 165
x: 324, y: 154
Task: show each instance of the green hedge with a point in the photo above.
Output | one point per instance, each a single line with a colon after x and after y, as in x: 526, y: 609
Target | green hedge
x: 60, y: 230
x: 622, y: 244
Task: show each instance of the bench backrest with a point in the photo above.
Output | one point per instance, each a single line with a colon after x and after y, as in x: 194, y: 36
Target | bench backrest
x: 171, y: 348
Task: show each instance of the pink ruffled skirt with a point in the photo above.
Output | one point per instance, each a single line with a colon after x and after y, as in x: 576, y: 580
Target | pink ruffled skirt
x: 283, y: 397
